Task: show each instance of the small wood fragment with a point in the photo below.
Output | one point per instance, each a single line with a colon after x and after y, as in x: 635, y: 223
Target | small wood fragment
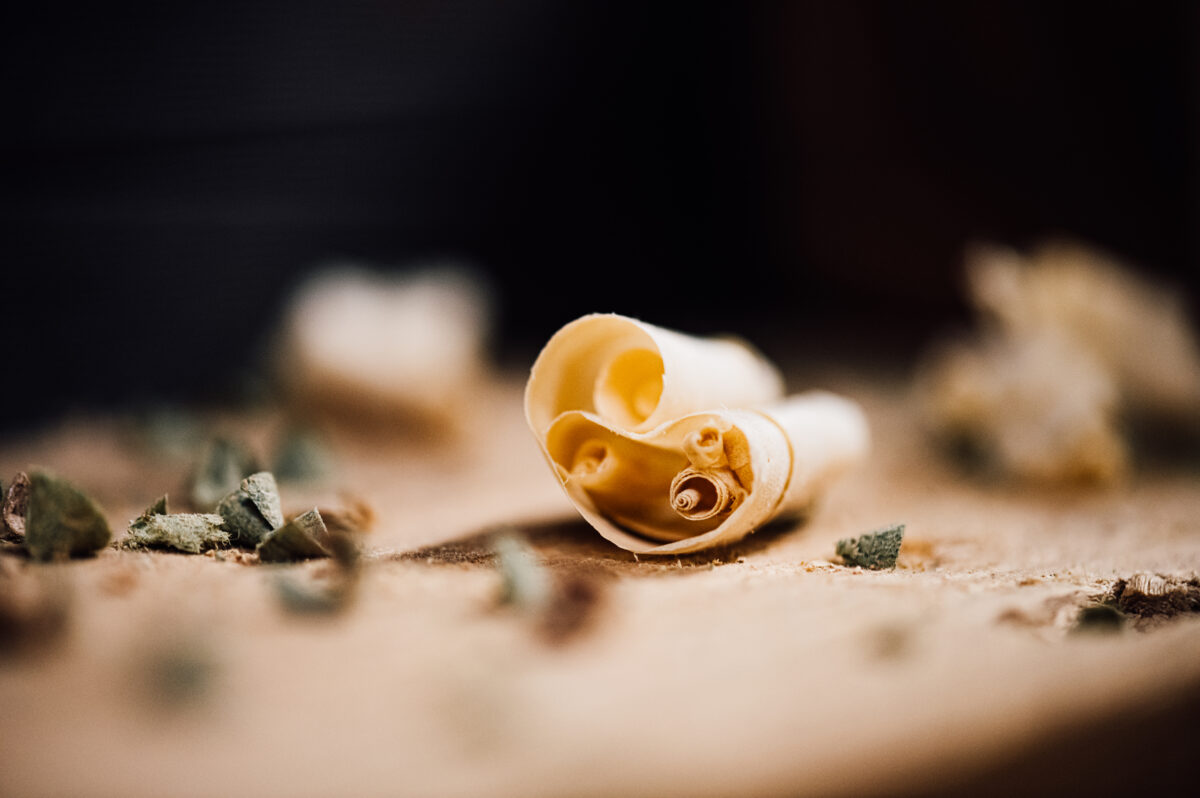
x: 1154, y: 596
x: 191, y: 533
x: 334, y: 594
x: 61, y: 521
x: 253, y: 510
x: 302, y: 538
x: 876, y: 550
x: 159, y: 507
x: 524, y: 581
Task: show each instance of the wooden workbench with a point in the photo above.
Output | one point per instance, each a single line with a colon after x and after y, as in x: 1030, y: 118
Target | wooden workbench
x: 767, y: 669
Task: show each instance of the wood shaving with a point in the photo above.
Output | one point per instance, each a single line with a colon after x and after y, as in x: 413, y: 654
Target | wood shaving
x: 669, y: 444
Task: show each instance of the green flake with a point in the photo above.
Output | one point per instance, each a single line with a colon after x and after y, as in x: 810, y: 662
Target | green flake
x: 261, y: 489
x: 187, y: 532
x: 302, y: 538
x: 252, y: 510
x: 224, y: 466
x: 158, y: 508
x: 877, y: 550
x: 525, y: 583
x: 62, y: 521
x: 315, y: 597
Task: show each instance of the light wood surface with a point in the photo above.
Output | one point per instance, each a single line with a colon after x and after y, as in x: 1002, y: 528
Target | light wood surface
x: 765, y: 669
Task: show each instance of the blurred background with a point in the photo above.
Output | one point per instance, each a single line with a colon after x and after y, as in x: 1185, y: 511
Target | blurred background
x: 806, y: 175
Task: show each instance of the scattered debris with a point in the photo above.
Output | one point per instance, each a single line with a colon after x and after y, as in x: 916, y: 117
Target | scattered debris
x: 224, y: 465
x: 191, y: 533
x: 561, y: 604
x: 1060, y: 364
x: 1091, y: 297
x: 16, y: 504
x: 1151, y: 598
x: 302, y: 456
x: 159, y: 507
x: 252, y: 510
x: 302, y: 538
x: 369, y: 346
x: 475, y: 550
x: 525, y: 583
x: 235, y: 556
x: 1039, y: 408
x: 876, y: 550
x: 325, y: 596
x: 61, y: 521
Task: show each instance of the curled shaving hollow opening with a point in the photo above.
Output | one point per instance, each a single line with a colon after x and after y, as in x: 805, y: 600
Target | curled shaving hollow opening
x: 700, y: 495
x: 590, y: 461
x: 629, y: 387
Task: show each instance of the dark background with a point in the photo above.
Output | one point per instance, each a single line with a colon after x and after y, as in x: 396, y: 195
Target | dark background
x: 804, y: 174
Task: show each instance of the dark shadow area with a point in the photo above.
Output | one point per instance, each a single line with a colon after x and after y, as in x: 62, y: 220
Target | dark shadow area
x: 1144, y: 750
x: 570, y: 545
x: 803, y: 174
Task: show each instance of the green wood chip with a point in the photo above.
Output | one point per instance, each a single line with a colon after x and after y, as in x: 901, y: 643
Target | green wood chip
x: 253, y: 510
x: 61, y: 520
x: 261, y: 489
x: 525, y: 583
x: 158, y: 508
x: 187, y: 532
x: 877, y: 550
x: 302, y: 538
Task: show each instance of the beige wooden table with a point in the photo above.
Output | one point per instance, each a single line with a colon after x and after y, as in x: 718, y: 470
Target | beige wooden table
x: 763, y: 670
